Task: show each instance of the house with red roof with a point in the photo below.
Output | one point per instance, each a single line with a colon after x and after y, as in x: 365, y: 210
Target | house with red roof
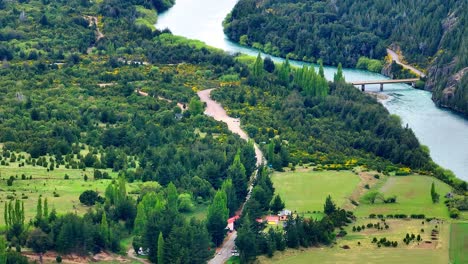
x: 230, y: 222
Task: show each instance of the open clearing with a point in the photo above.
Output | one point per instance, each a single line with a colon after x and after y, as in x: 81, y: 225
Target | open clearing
x: 44, y: 184
x: 377, y: 256
x: 413, y: 197
x: 459, y: 243
x: 306, y: 191
x: 435, y: 252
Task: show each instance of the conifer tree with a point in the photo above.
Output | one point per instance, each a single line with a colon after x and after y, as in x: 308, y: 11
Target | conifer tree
x: 329, y: 206
x: 39, y: 209
x: 236, y: 172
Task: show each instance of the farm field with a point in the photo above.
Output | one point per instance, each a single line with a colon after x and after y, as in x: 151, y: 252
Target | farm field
x: 459, y: 243
x: 413, y: 197
x: 306, y: 191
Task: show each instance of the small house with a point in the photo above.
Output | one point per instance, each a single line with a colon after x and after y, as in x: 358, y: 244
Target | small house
x: 272, y: 219
x: 230, y: 222
x: 283, y: 215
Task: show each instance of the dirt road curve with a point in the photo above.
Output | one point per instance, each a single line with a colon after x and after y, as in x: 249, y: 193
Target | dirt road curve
x: 396, y: 58
x: 215, y: 110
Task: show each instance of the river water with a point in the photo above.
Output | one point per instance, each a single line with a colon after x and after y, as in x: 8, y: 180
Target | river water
x: 445, y: 133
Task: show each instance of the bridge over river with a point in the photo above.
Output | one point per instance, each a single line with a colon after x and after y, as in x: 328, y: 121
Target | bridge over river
x: 412, y: 81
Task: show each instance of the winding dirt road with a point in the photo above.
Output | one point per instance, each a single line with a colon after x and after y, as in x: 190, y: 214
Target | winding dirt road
x: 396, y: 58
x: 216, y: 110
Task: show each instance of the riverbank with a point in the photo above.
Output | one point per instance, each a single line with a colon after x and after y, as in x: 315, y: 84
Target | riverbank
x: 442, y: 131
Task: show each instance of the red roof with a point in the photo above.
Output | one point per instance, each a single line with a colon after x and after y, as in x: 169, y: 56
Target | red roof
x: 272, y: 218
x: 233, y: 219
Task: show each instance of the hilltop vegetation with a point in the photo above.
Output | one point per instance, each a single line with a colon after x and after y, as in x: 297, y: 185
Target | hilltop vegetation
x: 431, y: 34
x: 93, y: 98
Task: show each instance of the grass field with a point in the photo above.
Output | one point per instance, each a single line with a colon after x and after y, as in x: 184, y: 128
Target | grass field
x: 459, y: 243
x: 44, y: 184
x: 306, y: 191
x: 413, y: 197
x: 342, y: 256
x: 435, y: 252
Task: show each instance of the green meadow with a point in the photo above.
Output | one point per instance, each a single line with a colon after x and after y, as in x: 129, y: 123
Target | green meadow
x: 306, y: 191
x: 413, y: 197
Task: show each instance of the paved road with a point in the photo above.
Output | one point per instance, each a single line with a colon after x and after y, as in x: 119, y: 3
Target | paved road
x: 396, y: 58
x: 216, y: 110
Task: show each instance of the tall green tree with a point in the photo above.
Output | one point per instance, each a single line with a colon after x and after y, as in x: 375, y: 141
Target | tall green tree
x: 434, y: 195
x: 46, y: 208
x: 246, y: 241
x: 232, y: 201
x: 172, y: 197
x: 217, y: 217
x: 338, y: 77
x: 3, y: 253
x: 257, y: 69
x: 104, y: 229
x: 237, y: 173
x: 39, y: 209
x: 277, y: 204
x: 160, y: 248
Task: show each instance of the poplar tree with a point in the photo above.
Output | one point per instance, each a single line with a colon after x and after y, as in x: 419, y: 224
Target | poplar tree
x: 257, y: 70
x: 3, y: 254
x: 160, y: 248
x: 434, y: 195
x: 39, y: 209
x: 217, y: 217
x: 232, y: 201
x: 172, y: 196
x: 321, y: 71
x: 46, y: 209
x: 104, y: 228
x: 237, y: 173
x: 284, y: 71
x: 339, y: 77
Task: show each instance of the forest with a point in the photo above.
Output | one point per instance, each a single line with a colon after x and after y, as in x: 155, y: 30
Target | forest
x: 430, y: 33
x: 77, y: 75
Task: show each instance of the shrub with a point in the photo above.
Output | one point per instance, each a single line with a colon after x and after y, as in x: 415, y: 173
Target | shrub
x: 372, y: 216
x: 454, y: 213
x: 66, y: 177
x: 58, y: 259
x: 90, y: 197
